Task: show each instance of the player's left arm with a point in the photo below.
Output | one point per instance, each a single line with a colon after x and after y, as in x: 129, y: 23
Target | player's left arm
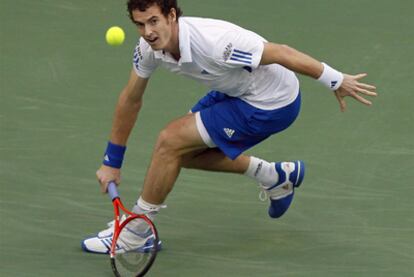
x: 343, y: 84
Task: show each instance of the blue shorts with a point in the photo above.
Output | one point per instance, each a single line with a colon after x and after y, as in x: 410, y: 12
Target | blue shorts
x: 235, y: 126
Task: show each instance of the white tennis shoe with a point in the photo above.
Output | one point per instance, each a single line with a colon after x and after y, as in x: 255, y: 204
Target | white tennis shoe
x: 129, y: 240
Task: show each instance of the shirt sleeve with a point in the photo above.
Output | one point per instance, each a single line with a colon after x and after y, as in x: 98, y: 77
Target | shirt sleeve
x: 144, y: 62
x: 238, y: 49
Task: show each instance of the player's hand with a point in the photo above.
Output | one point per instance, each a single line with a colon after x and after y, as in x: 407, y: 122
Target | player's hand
x: 106, y: 174
x: 355, y: 89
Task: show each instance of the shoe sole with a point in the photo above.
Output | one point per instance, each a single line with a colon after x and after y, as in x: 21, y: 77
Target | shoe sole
x: 143, y: 249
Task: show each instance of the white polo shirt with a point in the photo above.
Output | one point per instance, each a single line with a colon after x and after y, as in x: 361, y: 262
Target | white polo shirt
x: 226, y: 58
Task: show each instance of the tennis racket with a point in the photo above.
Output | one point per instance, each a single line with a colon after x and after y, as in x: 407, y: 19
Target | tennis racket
x: 135, y: 240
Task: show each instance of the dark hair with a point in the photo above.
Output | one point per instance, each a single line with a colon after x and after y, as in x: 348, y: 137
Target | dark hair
x: 165, y: 5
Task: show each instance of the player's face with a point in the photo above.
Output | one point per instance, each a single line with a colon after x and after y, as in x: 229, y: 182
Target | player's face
x: 154, y: 27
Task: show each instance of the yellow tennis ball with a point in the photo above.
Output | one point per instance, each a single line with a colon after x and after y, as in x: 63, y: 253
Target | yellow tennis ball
x: 115, y: 36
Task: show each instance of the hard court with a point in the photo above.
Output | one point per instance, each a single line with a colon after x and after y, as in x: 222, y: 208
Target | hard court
x: 352, y: 216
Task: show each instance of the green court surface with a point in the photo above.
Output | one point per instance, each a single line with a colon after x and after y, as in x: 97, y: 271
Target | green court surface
x: 353, y: 215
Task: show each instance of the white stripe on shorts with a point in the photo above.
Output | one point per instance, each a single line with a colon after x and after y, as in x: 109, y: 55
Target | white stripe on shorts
x: 203, y: 132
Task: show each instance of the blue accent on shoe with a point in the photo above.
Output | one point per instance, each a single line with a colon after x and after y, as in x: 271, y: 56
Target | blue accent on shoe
x: 143, y: 249
x: 107, y: 243
x: 83, y: 246
x: 280, y: 206
x: 148, y: 245
x: 301, y: 176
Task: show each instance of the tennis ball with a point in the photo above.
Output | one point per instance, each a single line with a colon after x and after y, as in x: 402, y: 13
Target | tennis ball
x: 115, y: 36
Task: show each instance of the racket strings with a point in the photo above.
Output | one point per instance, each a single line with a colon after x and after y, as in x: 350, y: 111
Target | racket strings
x: 136, y: 241
x: 131, y: 240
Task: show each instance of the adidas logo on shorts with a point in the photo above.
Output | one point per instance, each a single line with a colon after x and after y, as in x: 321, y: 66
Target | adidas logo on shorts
x: 229, y: 132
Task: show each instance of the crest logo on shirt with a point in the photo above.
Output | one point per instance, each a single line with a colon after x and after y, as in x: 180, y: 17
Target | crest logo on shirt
x: 227, y: 51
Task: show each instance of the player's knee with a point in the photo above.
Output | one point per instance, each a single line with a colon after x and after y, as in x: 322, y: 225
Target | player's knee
x: 166, y: 145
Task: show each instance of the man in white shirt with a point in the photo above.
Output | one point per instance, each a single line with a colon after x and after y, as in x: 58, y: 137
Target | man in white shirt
x: 255, y: 94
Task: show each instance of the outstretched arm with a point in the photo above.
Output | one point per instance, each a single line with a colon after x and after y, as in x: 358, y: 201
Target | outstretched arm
x: 343, y: 84
x: 127, y: 108
x: 126, y: 113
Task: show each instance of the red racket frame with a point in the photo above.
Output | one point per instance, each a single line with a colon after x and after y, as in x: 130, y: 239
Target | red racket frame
x: 116, y: 201
x: 118, y: 227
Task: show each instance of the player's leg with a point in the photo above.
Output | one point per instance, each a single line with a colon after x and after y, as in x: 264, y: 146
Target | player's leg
x: 182, y: 144
x: 178, y: 138
x: 174, y: 141
x: 234, y: 126
x: 213, y: 159
x: 185, y: 143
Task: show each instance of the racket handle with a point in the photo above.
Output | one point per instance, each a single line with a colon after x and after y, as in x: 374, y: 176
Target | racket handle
x: 112, y: 191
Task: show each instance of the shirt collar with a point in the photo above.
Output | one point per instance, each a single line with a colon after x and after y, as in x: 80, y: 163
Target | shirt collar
x: 184, y: 42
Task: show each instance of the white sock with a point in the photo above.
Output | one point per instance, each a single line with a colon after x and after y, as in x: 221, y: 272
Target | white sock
x: 143, y: 207
x: 262, y: 171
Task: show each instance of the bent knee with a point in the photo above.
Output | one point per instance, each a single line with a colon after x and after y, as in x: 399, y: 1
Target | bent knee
x: 179, y: 137
x: 169, y: 142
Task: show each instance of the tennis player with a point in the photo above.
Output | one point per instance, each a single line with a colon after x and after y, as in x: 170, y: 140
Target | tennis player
x: 254, y: 94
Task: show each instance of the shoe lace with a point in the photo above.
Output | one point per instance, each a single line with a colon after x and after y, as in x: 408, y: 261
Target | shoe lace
x: 263, y: 193
x: 275, y: 193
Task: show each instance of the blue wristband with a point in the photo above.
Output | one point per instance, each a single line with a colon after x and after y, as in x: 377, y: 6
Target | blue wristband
x: 114, y: 155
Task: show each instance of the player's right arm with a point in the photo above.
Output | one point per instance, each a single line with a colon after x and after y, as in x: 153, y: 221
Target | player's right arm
x: 126, y: 114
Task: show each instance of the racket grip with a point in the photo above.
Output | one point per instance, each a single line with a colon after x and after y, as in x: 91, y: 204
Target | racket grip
x: 112, y: 191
